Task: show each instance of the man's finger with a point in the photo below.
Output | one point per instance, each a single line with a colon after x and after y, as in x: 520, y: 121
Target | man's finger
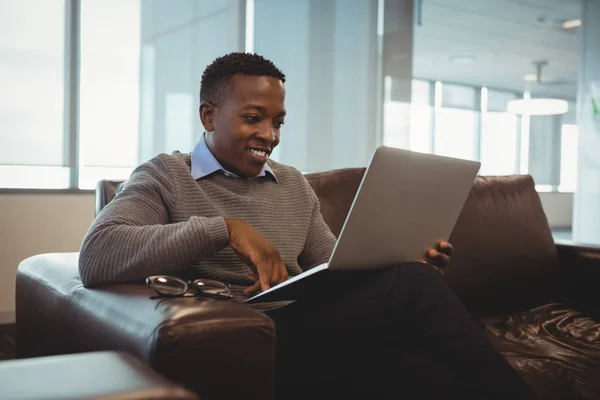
x: 264, y: 281
x: 441, y: 260
x: 275, y: 273
x: 283, y: 274
x: 437, y: 258
x: 438, y: 255
x: 445, y: 247
x: 253, y: 289
x: 253, y: 277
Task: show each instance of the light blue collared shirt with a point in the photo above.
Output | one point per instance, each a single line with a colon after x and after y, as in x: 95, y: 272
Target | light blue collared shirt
x: 204, y: 163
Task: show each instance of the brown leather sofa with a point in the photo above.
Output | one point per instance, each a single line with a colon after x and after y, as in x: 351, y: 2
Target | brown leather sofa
x: 538, y: 301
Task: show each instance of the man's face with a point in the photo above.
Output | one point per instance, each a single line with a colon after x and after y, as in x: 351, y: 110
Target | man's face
x: 245, y: 127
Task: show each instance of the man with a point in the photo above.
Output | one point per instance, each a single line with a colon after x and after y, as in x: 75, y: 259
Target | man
x: 228, y: 213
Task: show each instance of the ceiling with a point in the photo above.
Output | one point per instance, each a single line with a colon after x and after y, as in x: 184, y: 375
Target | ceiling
x: 504, y: 37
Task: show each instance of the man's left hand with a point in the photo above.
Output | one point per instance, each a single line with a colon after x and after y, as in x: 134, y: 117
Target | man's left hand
x: 439, y: 257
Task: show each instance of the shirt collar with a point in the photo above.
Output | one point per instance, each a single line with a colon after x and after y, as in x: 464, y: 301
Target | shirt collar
x: 204, y: 163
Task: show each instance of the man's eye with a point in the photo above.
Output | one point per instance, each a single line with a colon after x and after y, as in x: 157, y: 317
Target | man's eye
x: 251, y: 119
x: 279, y: 124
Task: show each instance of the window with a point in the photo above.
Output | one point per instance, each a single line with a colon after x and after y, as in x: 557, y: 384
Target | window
x: 455, y: 133
x: 32, y: 67
x: 109, y: 89
x: 499, y: 134
x: 394, y: 125
x: 41, y: 96
x: 421, y: 113
x: 568, y: 158
x: 455, y: 121
x: 458, y: 96
x: 175, y: 50
x: 498, y: 143
x: 327, y: 49
x: 544, y: 150
x: 472, y: 123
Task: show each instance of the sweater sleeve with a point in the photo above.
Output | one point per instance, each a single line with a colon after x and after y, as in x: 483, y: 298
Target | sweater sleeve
x: 133, y: 236
x: 320, y: 241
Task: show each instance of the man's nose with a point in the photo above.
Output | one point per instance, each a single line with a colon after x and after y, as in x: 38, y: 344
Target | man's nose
x: 267, y: 132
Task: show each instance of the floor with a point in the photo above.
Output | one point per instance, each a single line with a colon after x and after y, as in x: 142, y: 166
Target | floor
x: 7, y: 342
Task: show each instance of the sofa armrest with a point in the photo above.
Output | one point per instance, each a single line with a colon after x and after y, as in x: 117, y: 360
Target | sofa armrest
x: 220, y: 349
x: 580, y: 265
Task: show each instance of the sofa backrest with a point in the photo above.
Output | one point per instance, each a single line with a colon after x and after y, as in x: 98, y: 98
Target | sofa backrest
x: 336, y: 190
x: 505, y: 257
x: 106, y: 190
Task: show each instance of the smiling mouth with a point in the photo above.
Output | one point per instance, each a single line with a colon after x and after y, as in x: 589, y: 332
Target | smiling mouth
x: 262, y: 153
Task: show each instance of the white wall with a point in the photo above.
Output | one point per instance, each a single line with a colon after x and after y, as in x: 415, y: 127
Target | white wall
x: 31, y: 224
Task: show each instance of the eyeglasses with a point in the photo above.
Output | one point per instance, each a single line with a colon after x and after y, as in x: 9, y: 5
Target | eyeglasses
x: 174, y: 287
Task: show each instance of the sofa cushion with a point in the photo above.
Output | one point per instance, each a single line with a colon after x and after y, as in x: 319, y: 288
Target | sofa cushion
x: 554, y: 347
x: 505, y: 259
x: 549, y: 379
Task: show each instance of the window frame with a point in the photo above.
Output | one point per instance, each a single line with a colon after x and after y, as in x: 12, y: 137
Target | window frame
x: 71, y: 107
x: 72, y: 52
x: 522, y: 140
x: 71, y: 134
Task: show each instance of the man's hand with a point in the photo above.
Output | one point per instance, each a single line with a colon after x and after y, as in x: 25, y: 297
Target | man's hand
x: 258, y: 253
x: 439, y: 257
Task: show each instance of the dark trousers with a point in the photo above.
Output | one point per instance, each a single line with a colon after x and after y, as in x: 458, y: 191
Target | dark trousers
x: 396, y: 333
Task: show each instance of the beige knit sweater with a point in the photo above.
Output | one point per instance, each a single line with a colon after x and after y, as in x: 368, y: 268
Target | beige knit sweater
x: 165, y: 222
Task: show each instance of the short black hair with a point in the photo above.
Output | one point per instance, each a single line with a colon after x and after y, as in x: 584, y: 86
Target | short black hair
x: 215, y: 79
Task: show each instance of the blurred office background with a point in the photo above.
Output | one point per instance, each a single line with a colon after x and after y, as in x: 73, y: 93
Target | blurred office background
x: 91, y: 88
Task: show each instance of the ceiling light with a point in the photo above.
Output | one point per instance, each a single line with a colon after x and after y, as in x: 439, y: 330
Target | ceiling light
x: 570, y: 24
x: 537, y: 106
x: 530, y: 77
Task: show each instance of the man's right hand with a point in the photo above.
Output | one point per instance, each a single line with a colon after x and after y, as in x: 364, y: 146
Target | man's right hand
x: 258, y: 253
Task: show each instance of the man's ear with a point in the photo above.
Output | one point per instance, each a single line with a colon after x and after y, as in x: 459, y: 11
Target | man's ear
x: 207, y: 115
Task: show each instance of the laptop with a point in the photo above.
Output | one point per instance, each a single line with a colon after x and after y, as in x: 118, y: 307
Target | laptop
x: 406, y: 202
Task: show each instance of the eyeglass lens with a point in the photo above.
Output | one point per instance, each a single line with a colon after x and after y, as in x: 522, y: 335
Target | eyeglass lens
x: 211, y: 287
x: 169, y: 286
